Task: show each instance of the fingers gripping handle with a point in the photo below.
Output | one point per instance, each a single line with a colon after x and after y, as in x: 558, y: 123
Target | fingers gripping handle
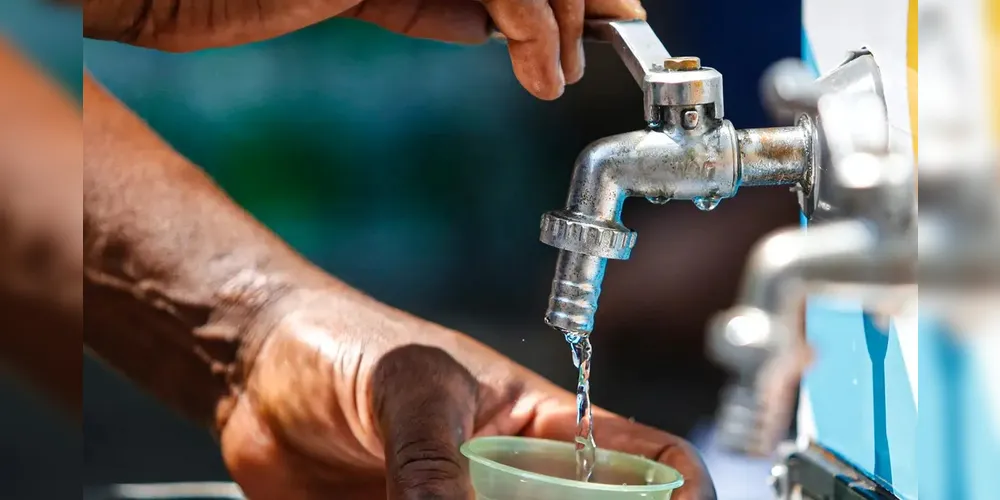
x: 634, y: 41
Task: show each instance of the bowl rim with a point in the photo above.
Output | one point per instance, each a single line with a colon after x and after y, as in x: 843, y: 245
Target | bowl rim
x: 467, y: 449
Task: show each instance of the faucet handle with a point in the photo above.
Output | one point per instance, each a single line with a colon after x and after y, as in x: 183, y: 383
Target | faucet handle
x: 789, y: 88
x: 634, y: 41
x: 665, y: 80
x: 742, y: 338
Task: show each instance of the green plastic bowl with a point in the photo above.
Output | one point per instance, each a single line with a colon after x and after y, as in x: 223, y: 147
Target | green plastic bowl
x: 517, y: 468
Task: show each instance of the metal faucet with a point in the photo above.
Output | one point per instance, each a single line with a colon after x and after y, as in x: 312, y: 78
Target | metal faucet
x: 688, y: 151
x: 958, y: 267
x: 862, y: 245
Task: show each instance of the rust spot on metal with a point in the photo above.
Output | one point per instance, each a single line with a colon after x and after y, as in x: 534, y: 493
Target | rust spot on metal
x: 682, y: 64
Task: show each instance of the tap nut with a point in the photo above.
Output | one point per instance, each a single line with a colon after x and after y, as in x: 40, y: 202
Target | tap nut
x: 568, y: 231
x: 690, y: 119
x: 682, y: 64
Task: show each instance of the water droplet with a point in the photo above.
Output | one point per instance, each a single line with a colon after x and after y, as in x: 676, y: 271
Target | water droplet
x: 659, y: 200
x: 706, y: 203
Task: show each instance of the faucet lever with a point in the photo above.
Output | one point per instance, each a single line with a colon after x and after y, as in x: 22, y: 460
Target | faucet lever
x: 665, y: 80
x: 681, y: 83
x: 635, y: 43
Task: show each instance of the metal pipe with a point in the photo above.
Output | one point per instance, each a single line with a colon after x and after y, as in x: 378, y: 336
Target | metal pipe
x: 663, y: 166
x: 793, y: 254
x: 784, y: 266
x: 774, y: 156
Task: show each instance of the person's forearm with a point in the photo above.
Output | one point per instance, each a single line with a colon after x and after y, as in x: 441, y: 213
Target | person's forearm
x: 41, y: 305
x: 174, y: 270
x: 40, y: 185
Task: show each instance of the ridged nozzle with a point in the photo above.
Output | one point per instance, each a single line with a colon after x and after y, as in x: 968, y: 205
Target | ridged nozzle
x: 575, y: 290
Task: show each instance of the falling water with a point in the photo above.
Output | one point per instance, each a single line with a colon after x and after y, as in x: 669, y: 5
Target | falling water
x: 586, y: 449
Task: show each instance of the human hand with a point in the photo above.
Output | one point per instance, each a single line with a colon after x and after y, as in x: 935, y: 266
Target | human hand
x: 544, y: 36
x: 349, y: 398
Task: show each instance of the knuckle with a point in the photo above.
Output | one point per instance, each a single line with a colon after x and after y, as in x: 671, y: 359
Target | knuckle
x: 420, y: 454
x: 427, y: 469
x: 550, y: 26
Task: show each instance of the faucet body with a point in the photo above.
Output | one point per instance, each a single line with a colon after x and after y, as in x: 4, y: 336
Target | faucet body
x: 688, y: 151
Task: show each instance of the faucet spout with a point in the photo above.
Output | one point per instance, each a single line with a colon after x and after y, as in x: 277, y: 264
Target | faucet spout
x: 758, y: 339
x: 654, y: 164
x: 704, y: 161
x: 689, y: 151
x: 792, y: 256
x: 575, y: 291
x: 745, y: 337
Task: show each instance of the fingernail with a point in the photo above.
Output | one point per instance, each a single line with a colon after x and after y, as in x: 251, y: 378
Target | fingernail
x: 545, y: 92
x: 638, y: 11
x: 574, y: 69
x: 583, y: 60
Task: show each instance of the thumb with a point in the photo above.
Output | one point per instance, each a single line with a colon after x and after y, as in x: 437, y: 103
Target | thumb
x: 614, y: 9
x: 458, y: 21
x: 424, y: 401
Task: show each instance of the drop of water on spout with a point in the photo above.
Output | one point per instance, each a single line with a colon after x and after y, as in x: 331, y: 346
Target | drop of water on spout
x: 707, y: 203
x: 659, y: 200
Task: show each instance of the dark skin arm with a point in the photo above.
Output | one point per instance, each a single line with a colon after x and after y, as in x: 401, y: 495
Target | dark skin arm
x: 169, y: 255
x: 41, y: 305
x: 311, y: 386
x: 128, y: 169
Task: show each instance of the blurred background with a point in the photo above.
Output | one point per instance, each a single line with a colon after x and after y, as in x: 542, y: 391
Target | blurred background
x: 417, y: 172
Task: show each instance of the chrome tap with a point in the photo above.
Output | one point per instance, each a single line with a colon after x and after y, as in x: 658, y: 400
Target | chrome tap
x: 862, y: 245
x: 688, y: 151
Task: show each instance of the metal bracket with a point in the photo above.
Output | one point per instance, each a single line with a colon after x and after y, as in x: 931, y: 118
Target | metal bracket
x: 816, y: 474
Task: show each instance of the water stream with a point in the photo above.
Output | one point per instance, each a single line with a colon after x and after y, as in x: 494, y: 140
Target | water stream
x: 586, y: 449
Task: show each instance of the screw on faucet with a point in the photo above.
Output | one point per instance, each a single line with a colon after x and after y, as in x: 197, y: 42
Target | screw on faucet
x: 682, y: 64
x: 690, y: 119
